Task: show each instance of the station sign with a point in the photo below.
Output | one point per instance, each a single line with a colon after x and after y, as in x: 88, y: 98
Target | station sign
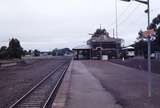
x: 148, y: 33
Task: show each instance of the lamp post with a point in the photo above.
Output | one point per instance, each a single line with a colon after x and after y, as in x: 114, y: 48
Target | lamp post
x: 149, y: 45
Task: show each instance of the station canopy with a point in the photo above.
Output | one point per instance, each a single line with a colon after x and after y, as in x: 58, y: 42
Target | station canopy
x: 82, y: 47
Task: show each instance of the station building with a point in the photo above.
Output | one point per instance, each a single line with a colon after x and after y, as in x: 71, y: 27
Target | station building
x: 100, y: 45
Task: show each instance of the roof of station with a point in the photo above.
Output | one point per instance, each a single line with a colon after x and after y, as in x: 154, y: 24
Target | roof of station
x: 104, y: 38
x: 129, y: 47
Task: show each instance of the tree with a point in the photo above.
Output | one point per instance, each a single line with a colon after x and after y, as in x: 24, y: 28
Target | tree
x: 157, y: 41
x: 3, y: 52
x: 29, y: 52
x: 36, y: 52
x: 100, y: 32
x: 15, y: 50
x: 141, y: 45
x: 25, y: 52
x: 55, y: 52
x: 140, y: 35
x: 3, y: 48
x: 156, y: 26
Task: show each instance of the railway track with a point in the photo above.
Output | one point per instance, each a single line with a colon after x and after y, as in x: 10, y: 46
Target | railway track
x: 43, y: 93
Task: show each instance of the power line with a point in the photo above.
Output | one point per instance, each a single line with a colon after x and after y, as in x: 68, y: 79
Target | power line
x: 129, y: 15
x: 125, y: 10
x: 121, y: 14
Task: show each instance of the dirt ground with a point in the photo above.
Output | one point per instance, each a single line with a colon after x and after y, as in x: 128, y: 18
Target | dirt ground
x: 17, y: 80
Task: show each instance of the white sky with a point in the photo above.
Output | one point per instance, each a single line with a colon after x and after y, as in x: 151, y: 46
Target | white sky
x: 47, y: 24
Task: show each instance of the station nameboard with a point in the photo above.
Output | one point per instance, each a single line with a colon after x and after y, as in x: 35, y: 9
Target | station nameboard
x: 148, y: 33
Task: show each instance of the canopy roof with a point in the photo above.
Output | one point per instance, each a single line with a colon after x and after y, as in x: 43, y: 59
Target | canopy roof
x: 83, y: 47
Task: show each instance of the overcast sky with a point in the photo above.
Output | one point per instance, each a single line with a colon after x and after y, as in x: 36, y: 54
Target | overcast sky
x: 47, y: 24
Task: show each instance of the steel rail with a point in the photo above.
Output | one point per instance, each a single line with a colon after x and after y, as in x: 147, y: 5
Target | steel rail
x: 49, y: 101
x: 37, y: 85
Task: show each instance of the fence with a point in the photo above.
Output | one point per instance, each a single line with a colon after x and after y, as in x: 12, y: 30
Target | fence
x: 157, y: 56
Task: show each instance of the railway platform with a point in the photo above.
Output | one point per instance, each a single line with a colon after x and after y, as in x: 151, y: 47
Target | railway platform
x: 102, y: 84
x: 80, y: 89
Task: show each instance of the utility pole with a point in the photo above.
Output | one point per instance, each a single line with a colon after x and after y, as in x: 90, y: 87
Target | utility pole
x: 116, y: 7
x: 149, y: 45
x: 113, y: 33
x: 149, y: 55
x: 116, y: 34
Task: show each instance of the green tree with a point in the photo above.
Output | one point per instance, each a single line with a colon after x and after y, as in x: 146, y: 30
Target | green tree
x: 55, y: 52
x: 156, y: 26
x: 15, y: 50
x: 158, y: 37
x: 3, y: 52
x: 100, y: 32
x: 141, y: 45
x: 36, y: 52
x: 3, y: 48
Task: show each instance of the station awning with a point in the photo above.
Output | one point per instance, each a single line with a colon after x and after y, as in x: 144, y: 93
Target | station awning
x: 82, y: 47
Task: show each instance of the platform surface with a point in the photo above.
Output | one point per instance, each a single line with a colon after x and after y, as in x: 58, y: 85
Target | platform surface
x: 101, y: 84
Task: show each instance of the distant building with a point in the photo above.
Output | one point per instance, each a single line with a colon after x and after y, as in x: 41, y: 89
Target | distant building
x: 100, y: 44
x: 129, y: 50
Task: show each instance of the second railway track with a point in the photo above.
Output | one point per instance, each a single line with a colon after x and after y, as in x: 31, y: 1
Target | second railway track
x: 42, y: 94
